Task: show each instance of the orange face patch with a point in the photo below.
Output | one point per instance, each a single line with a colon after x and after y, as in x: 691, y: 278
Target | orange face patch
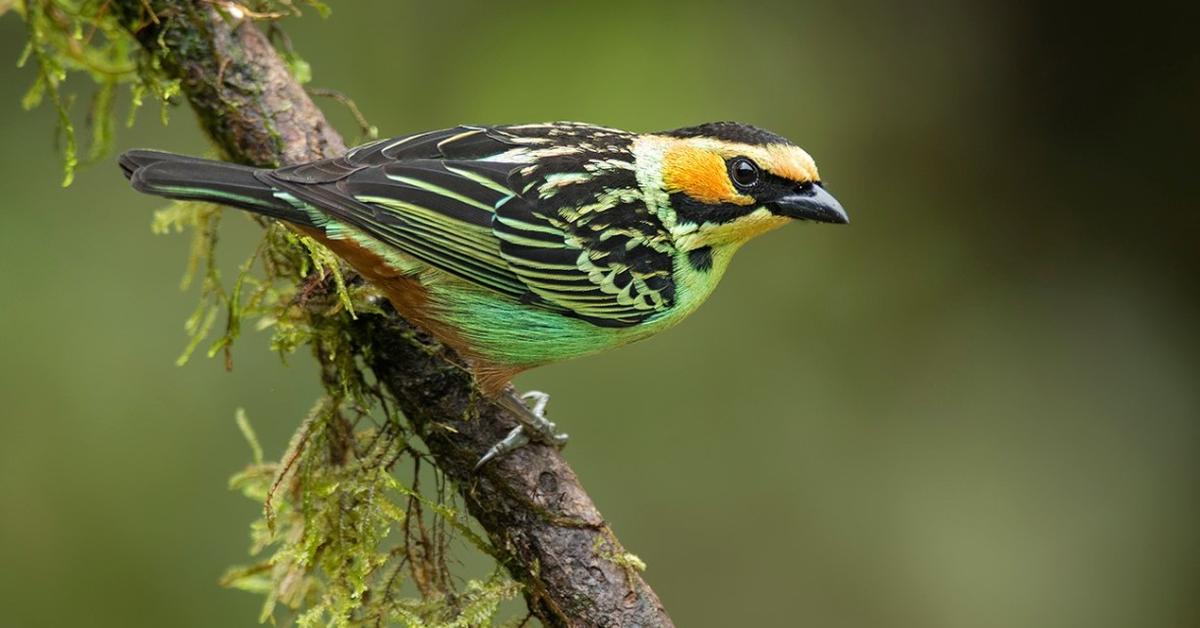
x: 701, y: 174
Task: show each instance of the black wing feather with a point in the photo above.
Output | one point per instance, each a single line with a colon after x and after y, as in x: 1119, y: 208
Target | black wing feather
x: 483, y: 204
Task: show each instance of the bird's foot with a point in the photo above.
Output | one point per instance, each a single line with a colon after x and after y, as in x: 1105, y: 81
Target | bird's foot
x: 530, y: 410
x: 533, y: 405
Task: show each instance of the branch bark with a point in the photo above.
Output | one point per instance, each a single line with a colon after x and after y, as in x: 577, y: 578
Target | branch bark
x: 530, y: 503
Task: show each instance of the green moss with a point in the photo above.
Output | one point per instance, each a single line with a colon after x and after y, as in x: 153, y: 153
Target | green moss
x: 84, y: 37
x: 342, y: 541
x: 358, y: 527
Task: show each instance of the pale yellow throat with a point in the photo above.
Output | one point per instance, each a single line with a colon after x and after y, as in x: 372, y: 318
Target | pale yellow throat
x: 735, y: 233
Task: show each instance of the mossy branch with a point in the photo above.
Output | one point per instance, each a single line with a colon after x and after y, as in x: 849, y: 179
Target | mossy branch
x: 539, y: 522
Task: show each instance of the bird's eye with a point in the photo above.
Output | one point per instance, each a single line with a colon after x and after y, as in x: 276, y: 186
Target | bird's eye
x: 743, y: 172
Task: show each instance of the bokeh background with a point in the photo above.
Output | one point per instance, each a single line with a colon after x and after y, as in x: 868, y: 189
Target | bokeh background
x: 977, y: 406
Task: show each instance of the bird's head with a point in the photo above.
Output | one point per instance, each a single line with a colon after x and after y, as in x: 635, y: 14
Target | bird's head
x: 721, y: 184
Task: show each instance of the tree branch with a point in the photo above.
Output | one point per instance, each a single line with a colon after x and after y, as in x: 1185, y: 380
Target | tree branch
x: 531, y: 503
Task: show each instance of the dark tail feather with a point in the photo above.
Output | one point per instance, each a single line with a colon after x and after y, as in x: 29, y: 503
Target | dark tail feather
x: 195, y: 179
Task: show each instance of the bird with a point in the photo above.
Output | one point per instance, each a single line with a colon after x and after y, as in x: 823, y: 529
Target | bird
x: 527, y: 244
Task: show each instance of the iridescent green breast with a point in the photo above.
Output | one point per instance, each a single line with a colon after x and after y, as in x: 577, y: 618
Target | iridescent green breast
x: 509, y: 332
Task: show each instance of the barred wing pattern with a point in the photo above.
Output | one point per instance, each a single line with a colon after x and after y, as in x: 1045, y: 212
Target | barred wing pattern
x: 548, y: 214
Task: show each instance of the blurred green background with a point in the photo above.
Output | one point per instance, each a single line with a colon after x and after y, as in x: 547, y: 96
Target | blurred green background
x: 974, y: 407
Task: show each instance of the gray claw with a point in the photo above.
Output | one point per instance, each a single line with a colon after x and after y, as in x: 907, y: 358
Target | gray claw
x: 515, y: 439
x: 537, y: 402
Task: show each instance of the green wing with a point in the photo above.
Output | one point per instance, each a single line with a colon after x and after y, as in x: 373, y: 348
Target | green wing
x: 550, y: 215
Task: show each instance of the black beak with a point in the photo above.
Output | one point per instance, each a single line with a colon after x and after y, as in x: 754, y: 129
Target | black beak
x: 811, y: 202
